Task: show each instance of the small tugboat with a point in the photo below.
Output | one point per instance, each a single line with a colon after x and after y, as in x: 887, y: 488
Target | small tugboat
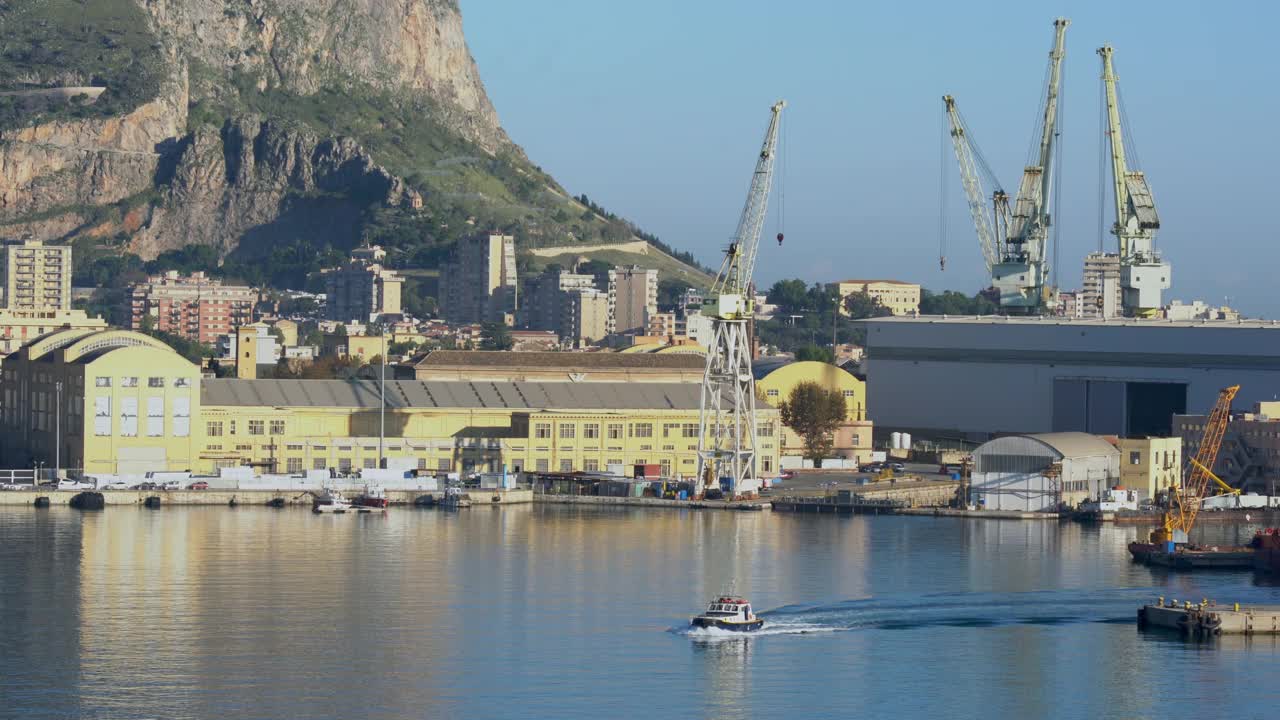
x: 728, y: 613
x: 330, y: 501
x: 372, y: 497
x: 454, y: 498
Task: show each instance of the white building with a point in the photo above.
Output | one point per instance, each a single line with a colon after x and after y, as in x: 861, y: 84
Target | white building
x: 1036, y: 473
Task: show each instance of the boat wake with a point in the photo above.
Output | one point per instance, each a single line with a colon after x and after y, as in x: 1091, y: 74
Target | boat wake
x: 958, y: 610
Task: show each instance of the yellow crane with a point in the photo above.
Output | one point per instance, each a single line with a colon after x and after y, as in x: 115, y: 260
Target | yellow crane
x: 1184, y: 502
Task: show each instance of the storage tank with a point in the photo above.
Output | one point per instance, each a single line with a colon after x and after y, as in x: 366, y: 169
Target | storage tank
x: 906, y: 441
x: 895, y: 441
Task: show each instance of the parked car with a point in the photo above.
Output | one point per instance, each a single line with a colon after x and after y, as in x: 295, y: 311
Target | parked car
x: 897, y: 467
x: 198, y: 485
x: 949, y: 468
x: 114, y: 485
x: 171, y: 485
x: 144, y: 486
x: 75, y: 485
x: 788, y: 475
x: 873, y: 467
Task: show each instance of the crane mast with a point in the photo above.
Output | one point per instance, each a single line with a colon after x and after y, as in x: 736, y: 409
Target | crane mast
x: 1184, y: 502
x: 727, y: 408
x: 992, y: 225
x: 1022, y: 274
x: 1143, y: 275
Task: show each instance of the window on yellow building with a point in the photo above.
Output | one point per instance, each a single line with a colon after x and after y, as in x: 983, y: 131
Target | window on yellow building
x: 642, y: 430
x: 666, y: 468
x: 155, y: 382
x: 542, y: 431
x: 444, y: 465
x: 128, y: 382
x: 256, y: 427
x: 766, y: 429
x: 370, y: 463
x: 566, y: 466
x: 213, y: 428
x: 318, y: 464
x: 567, y: 431
x: 543, y: 464
x: 615, y: 431
x: 771, y: 392
x: 689, y: 430
x: 344, y: 464
x: 591, y: 431
x: 277, y: 427
x: 591, y: 465
x: 293, y: 465
x: 1135, y: 457
x: 848, y: 393
x: 766, y: 464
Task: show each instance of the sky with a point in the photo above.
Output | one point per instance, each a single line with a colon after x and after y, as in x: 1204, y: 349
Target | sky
x: 656, y: 110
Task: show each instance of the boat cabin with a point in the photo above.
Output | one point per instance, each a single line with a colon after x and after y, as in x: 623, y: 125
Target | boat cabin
x: 728, y: 607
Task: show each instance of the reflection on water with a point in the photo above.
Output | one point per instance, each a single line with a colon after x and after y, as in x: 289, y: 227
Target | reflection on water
x: 563, y: 612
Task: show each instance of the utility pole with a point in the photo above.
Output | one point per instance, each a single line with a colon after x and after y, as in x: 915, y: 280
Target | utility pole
x: 382, y: 410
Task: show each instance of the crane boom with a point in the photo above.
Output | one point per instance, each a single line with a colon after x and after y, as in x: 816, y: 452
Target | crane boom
x: 1184, y: 502
x: 1143, y: 275
x: 1023, y: 273
x: 968, y: 158
x: 727, y: 408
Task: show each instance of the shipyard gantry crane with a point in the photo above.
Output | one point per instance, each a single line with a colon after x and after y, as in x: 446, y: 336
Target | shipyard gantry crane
x: 1184, y: 502
x: 727, y: 409
x: 991, y: 221
x: 1015, y: 242
x: 1143, y: 274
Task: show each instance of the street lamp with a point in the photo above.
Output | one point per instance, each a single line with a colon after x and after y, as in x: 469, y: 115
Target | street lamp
x: 57, y: 436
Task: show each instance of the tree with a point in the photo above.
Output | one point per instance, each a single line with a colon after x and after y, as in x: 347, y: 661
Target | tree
x: 950, y: 302
x: 495, y: 336
x: 598, y: 270
x: 814, y: 413
x: 791, y: 296
x: 860, y: 306
x: 813, y: 352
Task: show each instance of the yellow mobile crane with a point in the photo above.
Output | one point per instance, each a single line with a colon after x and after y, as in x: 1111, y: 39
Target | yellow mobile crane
x: 1184, y: 502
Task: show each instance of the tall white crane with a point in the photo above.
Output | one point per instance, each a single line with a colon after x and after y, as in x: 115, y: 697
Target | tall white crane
x: 991, y: 221
x: 727, y: 410
x: 1143, y: 274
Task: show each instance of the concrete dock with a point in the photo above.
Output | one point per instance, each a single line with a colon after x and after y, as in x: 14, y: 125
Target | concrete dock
x: 246, y: 497
x: 1210, y: 620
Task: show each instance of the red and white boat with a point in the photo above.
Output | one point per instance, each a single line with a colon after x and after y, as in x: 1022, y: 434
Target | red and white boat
x: 372, y: 497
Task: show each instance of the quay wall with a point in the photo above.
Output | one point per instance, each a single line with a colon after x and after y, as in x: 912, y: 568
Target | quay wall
x: 245, y: 497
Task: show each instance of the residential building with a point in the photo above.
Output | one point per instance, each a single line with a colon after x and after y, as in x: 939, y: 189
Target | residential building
x: 700, y: 329
x: 567, y: 304
x: 1249, y: 457
x: 1036, y: 473
x: 576, y: 367
x: 266, y: 349
x: 586, y: 317
x: 534, y: 340
x: 1150, y: 465
x: 117, y: 421
x: 633, y: 298
x: 666, y: 325
x: 1100, y: 289
x: 37, y: 277
x: 362, y: 290
x: 1197, y: 310
x: 899, y: 298
x: 775, y: 379
x: 1071, y: 303
x: 195, y: 307
x: 478, y: 284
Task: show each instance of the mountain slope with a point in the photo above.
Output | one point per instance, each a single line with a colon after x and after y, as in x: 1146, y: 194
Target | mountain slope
x: 277, y: 132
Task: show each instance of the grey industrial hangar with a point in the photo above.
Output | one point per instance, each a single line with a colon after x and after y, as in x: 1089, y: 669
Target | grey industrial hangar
x: 1033, y: 473
x: 974, y: 378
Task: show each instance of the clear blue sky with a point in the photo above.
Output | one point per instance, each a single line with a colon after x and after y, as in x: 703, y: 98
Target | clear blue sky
x: 656, y: 109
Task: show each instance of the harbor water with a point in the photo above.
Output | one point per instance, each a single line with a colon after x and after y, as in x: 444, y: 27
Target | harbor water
x: 549, y: 611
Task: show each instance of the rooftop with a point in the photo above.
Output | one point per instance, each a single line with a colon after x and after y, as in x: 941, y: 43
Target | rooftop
x: 451, y: 394
x: 872, y: 282
x: 1084, y: 322
x: 568, y: 361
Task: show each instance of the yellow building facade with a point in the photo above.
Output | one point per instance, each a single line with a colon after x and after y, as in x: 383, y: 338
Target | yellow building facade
x: 130, y: 405
x: 900, y: 298
x: 775, y: 381
x: 1150, y: 465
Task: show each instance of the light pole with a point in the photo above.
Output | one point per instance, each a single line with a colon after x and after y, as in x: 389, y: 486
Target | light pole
x: 57, y: 432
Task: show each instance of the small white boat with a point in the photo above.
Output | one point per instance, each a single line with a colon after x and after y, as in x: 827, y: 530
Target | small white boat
x: 330, y: 501
x: 455, y: 497
x: 728, y: 613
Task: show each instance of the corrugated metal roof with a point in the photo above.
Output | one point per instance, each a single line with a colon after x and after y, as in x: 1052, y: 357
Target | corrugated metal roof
x: 567, y: 361
x: 451, y: 394
x: 1076, y: 444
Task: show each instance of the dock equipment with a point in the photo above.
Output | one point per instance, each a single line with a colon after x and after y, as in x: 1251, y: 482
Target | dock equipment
x: 1184, y: 502
x: 727, y: 409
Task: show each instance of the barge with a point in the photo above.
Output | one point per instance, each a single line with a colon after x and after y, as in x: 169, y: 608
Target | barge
x: 1208, y: 619
x: 1193, y: 557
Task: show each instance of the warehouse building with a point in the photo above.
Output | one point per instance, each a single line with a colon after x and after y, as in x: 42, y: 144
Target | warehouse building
x: 578, y: 367
x: 775, y: 379
x: 976, y: 378
x: 1037, y: 473
x: 127, y: 403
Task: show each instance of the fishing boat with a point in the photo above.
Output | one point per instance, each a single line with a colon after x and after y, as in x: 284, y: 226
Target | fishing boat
x: 1266, y: 549
x: 455, y: 497
x: 372, y: 497
x: 728, y: 613
x: 330, y: 501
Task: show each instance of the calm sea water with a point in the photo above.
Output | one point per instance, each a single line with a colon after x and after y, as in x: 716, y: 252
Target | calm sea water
x: 559, y: 612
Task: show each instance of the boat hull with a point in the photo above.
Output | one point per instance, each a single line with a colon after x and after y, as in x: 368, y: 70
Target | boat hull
x: 371, y: 502
x: 722, y: 624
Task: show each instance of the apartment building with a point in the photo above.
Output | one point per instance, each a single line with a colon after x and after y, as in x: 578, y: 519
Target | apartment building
x: 633, y: 298
x: 37, y: 277
x: 196, y: 307
x: 478, y: 284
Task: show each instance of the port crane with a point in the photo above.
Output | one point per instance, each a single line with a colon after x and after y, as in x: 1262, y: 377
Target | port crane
x: 1143, y: 274
x: 1015, y: 241
x: 727, y: 408
x: 1184, y: 502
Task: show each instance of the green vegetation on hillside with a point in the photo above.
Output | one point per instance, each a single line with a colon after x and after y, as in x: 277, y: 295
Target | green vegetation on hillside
x: 53, y: 43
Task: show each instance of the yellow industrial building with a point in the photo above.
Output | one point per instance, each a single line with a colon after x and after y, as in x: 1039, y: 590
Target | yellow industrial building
x: 776, y: 380
x: 1150, y: 465
x: 899, y: 298
x: 130, y: 404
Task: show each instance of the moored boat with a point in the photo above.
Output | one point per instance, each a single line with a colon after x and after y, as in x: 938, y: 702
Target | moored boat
x: 728, y: 613
x: 330, y: 501
x: 1266, y: 551
x: 372, y: 497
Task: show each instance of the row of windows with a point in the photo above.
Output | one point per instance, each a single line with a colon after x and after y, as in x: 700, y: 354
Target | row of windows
x: 129, y: 382
x: 591, y: 431
x: 180, y: 421
x: 214, y: 428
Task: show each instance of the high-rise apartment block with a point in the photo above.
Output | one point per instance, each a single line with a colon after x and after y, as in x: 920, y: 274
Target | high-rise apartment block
x: 1100, y: 288
x: 362, y: 290
x: 196, y: 307
x: 478, y: 284
x: 633, y: 298
x: 565, y: 303
x: 37, y: 276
